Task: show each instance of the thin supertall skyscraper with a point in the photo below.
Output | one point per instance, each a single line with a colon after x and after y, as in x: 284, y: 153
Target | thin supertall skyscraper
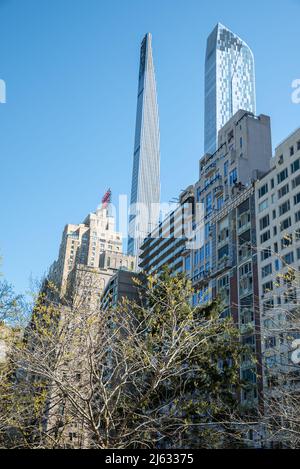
x: 145, y: 190
x: 229, y: 82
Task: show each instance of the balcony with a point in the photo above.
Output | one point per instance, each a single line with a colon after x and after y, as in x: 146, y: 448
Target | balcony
x: 246, y: 285
x: 223, y: 264
x: 223, y: 237
x: 209, y: 170
x: 219, y: 191
x: 245, y: 252
x: 201, y: 277
x: 224, y: 294
x: 244, y: 222
x: 247, y: 328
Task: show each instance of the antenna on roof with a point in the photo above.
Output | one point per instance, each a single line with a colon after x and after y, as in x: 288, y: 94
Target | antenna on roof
x: 106, y: 200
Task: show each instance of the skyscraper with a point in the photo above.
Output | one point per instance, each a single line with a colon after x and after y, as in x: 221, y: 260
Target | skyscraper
x: 229, y: 82
x: 145, y: 190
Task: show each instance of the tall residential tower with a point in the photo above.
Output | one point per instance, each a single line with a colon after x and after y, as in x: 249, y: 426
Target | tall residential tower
x: 229, y: 82
x: 145, y: 190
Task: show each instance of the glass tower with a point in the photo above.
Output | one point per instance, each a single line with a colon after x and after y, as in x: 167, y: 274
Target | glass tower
x: 229, y: 82
x: 145, y: 190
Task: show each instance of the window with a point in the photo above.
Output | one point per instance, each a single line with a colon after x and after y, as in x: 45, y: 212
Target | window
x: 264, y: 222
x: 265, y: 237
x: 269, y: 304
x: 275, y: 230
x: 220, y: 203
x: 272, y: 183
x: 298, y: 254
x: 246, y: 284
x: 296, y: 182
x: 271, y: 361
x: 295, y: 166
x: 267, y: 270
x: 283, y: 191
x: 246, y: 269
x: 284, y: 208
x: 298, y: 145
x: 223, y: 252
x: 270, y: 342
x: 249, y: 342
x: 196, y: 257
x: 226, y: 164
x: 266, y: 253
x: 249, y: 376
x: 241, y: 142
x: 297, y: 199
x: 233, y: 177
x: 297, y: 217
x: 278, y: 300
x: 292, y: 151
x: 207, y: 250
x: 201, y: 255
x: 263, y: 205
x: 247, y: 315
x: 223, y: 282
x: 263, y: 191
x: 208, y: 203
x: 288, y: 258
x: 244, y: 220
x: 267, y: 287
x: 290, y: 296
x: 280, y: 159
x: 188, y: 263
x: 277, y: 265
x: 207, y: 230
x: 274, y: 214
x: 282, y: 176
x: 284, y: 225
x: 199, y: 192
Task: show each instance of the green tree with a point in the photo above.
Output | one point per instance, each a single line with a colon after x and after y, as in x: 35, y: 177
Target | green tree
x: 156, y: 373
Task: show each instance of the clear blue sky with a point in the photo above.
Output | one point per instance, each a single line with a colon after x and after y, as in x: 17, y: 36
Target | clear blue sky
x: 67, y: 129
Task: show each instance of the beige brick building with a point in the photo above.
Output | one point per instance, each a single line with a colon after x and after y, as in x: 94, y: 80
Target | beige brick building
x: 90, y: 254
x: 92, y: 247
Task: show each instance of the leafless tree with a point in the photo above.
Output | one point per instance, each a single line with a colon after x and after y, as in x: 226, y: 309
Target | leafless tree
x: 158, y: 374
